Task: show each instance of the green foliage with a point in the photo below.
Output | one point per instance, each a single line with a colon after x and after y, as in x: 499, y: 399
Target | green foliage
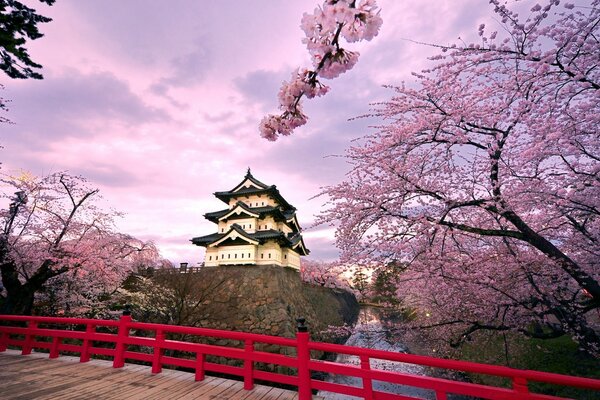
x: 360, y: 282
x: 385, y: 283
x: 17, y: 24
x: 560, y: 355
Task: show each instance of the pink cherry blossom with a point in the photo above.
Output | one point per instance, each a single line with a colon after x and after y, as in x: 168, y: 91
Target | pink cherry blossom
x: 484, y: 180
x: 59, y: 246
x: 352, y: 20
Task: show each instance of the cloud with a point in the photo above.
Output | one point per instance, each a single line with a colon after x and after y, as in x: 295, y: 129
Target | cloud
x: 75, y: 104
x: 261, y: 87
x: 190, y: 68
x: 109, y: 175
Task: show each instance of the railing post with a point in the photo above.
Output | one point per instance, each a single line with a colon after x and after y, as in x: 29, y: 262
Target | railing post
x: 520, y: 387
x: 303, y: 355
x: 3, y: 340
x: 200, y: 358
x: 28, y: 345
x: 87, y: 343
x: 55, y: 344
x: 157, y: 356
x: 365, y: 366
x: 439, y: 395
x: 123, y: 333
x: 248, y: 365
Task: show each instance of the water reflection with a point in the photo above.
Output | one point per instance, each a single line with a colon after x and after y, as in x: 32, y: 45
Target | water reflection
x: 371, y: 333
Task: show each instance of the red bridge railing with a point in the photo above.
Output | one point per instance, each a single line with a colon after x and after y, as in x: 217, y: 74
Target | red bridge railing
x: 55, y: 333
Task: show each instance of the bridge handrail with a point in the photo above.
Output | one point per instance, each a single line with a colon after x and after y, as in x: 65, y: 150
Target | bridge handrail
x: 456, y: 365
x: 249, y: 355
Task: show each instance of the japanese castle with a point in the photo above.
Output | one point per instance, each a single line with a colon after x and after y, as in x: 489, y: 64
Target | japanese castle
x: 259, y: 227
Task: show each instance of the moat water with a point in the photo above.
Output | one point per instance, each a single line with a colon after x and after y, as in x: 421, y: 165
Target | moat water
x: 370, y: 332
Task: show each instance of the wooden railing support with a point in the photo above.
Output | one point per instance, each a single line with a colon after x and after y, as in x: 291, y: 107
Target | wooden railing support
x: 303, y: 356
x: 520, y: 387
x: 200, y: 359
x: 367, y: 382
x: 248, y: 365
x: 123, y: 333
x: 27, y: 346
x: 55, y: 344
x: 158, y: 351
x: 3, y: 341
x: 87, y: 343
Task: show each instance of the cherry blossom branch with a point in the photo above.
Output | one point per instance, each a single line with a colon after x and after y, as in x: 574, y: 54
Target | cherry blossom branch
x: 323, y: 29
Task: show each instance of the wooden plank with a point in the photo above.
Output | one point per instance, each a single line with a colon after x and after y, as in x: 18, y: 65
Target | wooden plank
x: 231, y: 391
x: 209, y: 390
x: 100, y: 380
x: 156, y: 384
x: 184, y: 384
x: 272, y: 394
x: 255, y: 393
x: 28, y: 380
x: 37, y: 377
x: 289, y: 395
x: 46, y: 383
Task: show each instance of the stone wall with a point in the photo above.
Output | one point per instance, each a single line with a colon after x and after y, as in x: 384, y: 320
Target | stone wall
x: 268, y: 299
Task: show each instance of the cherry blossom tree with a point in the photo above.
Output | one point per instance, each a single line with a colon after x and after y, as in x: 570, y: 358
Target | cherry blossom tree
x: 483, y: 178
x: 58, y: 243
x: 352, y: 20
x: 327, y: 274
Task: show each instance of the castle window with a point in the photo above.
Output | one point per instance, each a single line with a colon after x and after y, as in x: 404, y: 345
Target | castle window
x: 244, y: 226
x: 248, y: 255
x: 269, y: 255
x: 228, y: 255
x: 250, y: 226
x: 222, y: 256
x: 262, y: 255
x: 242, y: 255
x: 209, y: 258
x: 235, y: 255
x: 263, y: 203
x: 285, y: 256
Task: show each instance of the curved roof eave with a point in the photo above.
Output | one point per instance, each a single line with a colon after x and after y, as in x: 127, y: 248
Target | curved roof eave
x: 237, y: 229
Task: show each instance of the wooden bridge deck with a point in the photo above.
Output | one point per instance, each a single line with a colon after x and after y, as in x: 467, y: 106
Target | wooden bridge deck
x: 35, y: 376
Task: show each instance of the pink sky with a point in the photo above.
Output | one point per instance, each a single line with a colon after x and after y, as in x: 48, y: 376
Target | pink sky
x: 157, y: 103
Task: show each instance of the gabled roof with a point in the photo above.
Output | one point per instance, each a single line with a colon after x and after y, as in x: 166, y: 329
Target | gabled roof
x: 234, y: 233
x: 249, y: 182
x: 249, y: 186
x: 239, y: 209
x: 293, y: 241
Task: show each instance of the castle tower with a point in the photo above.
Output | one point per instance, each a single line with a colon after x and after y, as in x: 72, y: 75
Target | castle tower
x: 259, y: 227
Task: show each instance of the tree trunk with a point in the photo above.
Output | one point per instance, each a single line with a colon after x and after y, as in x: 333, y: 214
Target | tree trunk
x: 19, y: 301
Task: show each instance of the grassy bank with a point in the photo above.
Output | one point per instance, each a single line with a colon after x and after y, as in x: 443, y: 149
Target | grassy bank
x: 560, y: 355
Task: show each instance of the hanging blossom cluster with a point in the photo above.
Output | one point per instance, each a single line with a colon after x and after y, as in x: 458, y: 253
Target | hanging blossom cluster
x: 350, y: 19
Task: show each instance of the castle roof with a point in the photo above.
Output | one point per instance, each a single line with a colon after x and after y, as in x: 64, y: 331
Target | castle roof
x: 236, y: 234
x: 242, y: 210
x: 252, y: 186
